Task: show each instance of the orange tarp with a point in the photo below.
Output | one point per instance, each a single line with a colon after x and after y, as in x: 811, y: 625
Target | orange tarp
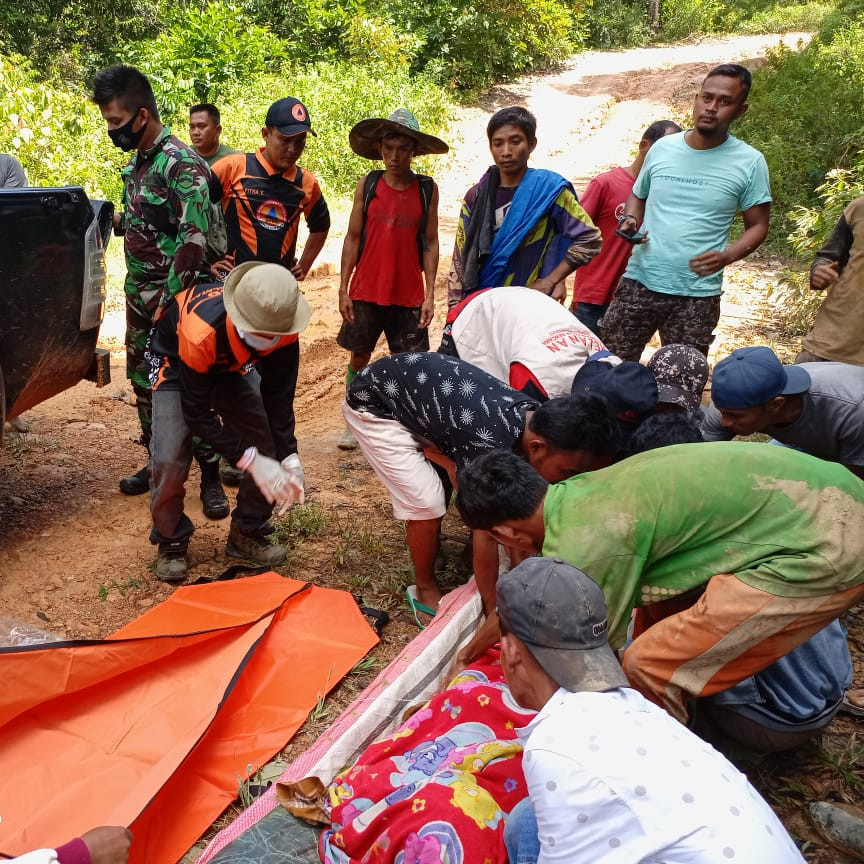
x: 153, y: 727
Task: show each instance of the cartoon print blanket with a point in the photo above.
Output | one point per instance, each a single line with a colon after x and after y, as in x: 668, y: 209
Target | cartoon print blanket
x: 439, y: 789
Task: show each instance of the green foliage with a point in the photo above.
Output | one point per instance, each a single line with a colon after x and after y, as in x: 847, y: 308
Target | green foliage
x: 844, y: 12
x: 374, y: 40
x: 206, y: 49
x: 338, y: 95
x: 813, y: 225
x: 73, y: 37
x: 59, y: 135
x: 56, y: 133
x: 470, y: 43
x: 800, y: 17
x: 680, y: 19
x: 618, y: 24
x: 806, y: 111
x: 314, y: 29
x: 621, y: 23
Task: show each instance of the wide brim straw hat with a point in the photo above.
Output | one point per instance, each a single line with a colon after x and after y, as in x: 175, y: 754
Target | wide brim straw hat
x: 365, y: 137
x: 265, y: 298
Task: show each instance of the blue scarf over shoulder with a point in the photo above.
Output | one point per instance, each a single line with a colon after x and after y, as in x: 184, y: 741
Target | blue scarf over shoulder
x: 534, y: 195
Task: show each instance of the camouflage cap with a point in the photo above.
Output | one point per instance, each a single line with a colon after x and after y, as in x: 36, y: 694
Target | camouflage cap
x: 365, y: 137
x: 682, y: 373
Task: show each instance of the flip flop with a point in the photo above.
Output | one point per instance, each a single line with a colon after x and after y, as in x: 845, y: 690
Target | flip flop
x: 853, y: 702
x: 416, y: 606
x: 842, y: 825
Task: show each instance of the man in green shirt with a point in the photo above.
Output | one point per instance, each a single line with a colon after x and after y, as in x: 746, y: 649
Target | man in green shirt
x: 205, y: 127
x: 740, y: 552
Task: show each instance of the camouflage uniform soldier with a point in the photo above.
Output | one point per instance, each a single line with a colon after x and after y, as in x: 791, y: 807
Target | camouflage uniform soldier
x: 166, y: 203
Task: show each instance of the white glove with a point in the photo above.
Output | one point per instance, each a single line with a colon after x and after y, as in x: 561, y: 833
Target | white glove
x: 291, y: 466
x: 274, y: 484
x: 294, y: 470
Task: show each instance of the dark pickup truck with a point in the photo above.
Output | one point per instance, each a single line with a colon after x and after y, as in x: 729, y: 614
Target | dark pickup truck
x: 52, y: 294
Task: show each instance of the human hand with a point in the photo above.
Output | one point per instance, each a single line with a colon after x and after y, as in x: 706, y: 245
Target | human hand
x: 346, y: 308
x: 559, y: 292
x: 544, y: 286
x: 628, y: 223
x: 108, y: 844
x: 708, y: 263
x: 299, y: 272
x: 221, y: 268
x: 269, y: 476
x: 292, y: 467
x: 427, y: 311
x: 824, y: 275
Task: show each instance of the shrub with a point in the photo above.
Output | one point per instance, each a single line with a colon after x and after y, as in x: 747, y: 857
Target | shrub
x: 313, y: 29
x: 205, y: 50
x: 783, y: 19
x: 811, y: 228
x: 467, y: 44
x: 56, y: 133
x: 618, y: 23
x: 806, y: 110
x: 338, y: 95
x: 59, y: 135
x: 813, y: 225
x: 73, y: 36
x: 680, y: 19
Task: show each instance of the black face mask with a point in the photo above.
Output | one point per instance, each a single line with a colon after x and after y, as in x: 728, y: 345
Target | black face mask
x: 123, y: 136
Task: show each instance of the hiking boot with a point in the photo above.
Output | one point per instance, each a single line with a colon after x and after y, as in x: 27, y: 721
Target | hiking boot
x: 137, y: 483
x: 230, y: 475
x: 347, y: 441
x: 171, y: 563
x: 252, y: 547
x: 216, y: 505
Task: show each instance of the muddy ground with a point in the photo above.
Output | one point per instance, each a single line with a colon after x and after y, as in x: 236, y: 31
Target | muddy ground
x: 74, y: 555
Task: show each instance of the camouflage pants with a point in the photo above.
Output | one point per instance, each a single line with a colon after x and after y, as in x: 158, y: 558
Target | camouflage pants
x: 141, y: 307
x: 636, y: 313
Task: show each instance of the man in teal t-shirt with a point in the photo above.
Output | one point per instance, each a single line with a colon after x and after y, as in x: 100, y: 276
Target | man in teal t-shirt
x: 688, y: 192
x: 751, y: 548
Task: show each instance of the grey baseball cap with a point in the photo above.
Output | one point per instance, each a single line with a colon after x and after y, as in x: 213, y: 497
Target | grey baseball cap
x: 682, y: 373
x: 559, y: 612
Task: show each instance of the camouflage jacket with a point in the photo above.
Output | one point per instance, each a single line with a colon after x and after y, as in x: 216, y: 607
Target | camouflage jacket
x: 167, y: 202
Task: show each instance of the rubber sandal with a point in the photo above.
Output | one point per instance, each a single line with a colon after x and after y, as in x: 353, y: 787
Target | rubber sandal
x: 416, y: 606
x: 853, y: 702
x: 842, y: 825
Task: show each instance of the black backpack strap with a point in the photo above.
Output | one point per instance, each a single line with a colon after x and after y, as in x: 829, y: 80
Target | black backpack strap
x: 370, y: 184
x: 427, y: 186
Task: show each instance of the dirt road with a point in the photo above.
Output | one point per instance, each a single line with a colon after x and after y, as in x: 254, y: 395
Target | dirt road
x: 74, y: 555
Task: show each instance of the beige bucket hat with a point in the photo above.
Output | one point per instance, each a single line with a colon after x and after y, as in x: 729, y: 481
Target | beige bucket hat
x: 265, y: 298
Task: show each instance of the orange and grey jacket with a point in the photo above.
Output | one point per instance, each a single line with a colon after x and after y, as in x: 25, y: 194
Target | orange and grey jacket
x: 195, y: 345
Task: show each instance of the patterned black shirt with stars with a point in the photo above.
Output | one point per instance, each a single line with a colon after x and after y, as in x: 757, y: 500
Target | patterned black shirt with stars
x: 443, y: 401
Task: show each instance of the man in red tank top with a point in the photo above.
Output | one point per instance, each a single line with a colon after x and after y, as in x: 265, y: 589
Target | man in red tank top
x: 390, y: 254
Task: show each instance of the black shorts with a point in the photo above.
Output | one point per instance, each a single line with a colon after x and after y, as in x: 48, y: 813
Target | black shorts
x: 400, y: 324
